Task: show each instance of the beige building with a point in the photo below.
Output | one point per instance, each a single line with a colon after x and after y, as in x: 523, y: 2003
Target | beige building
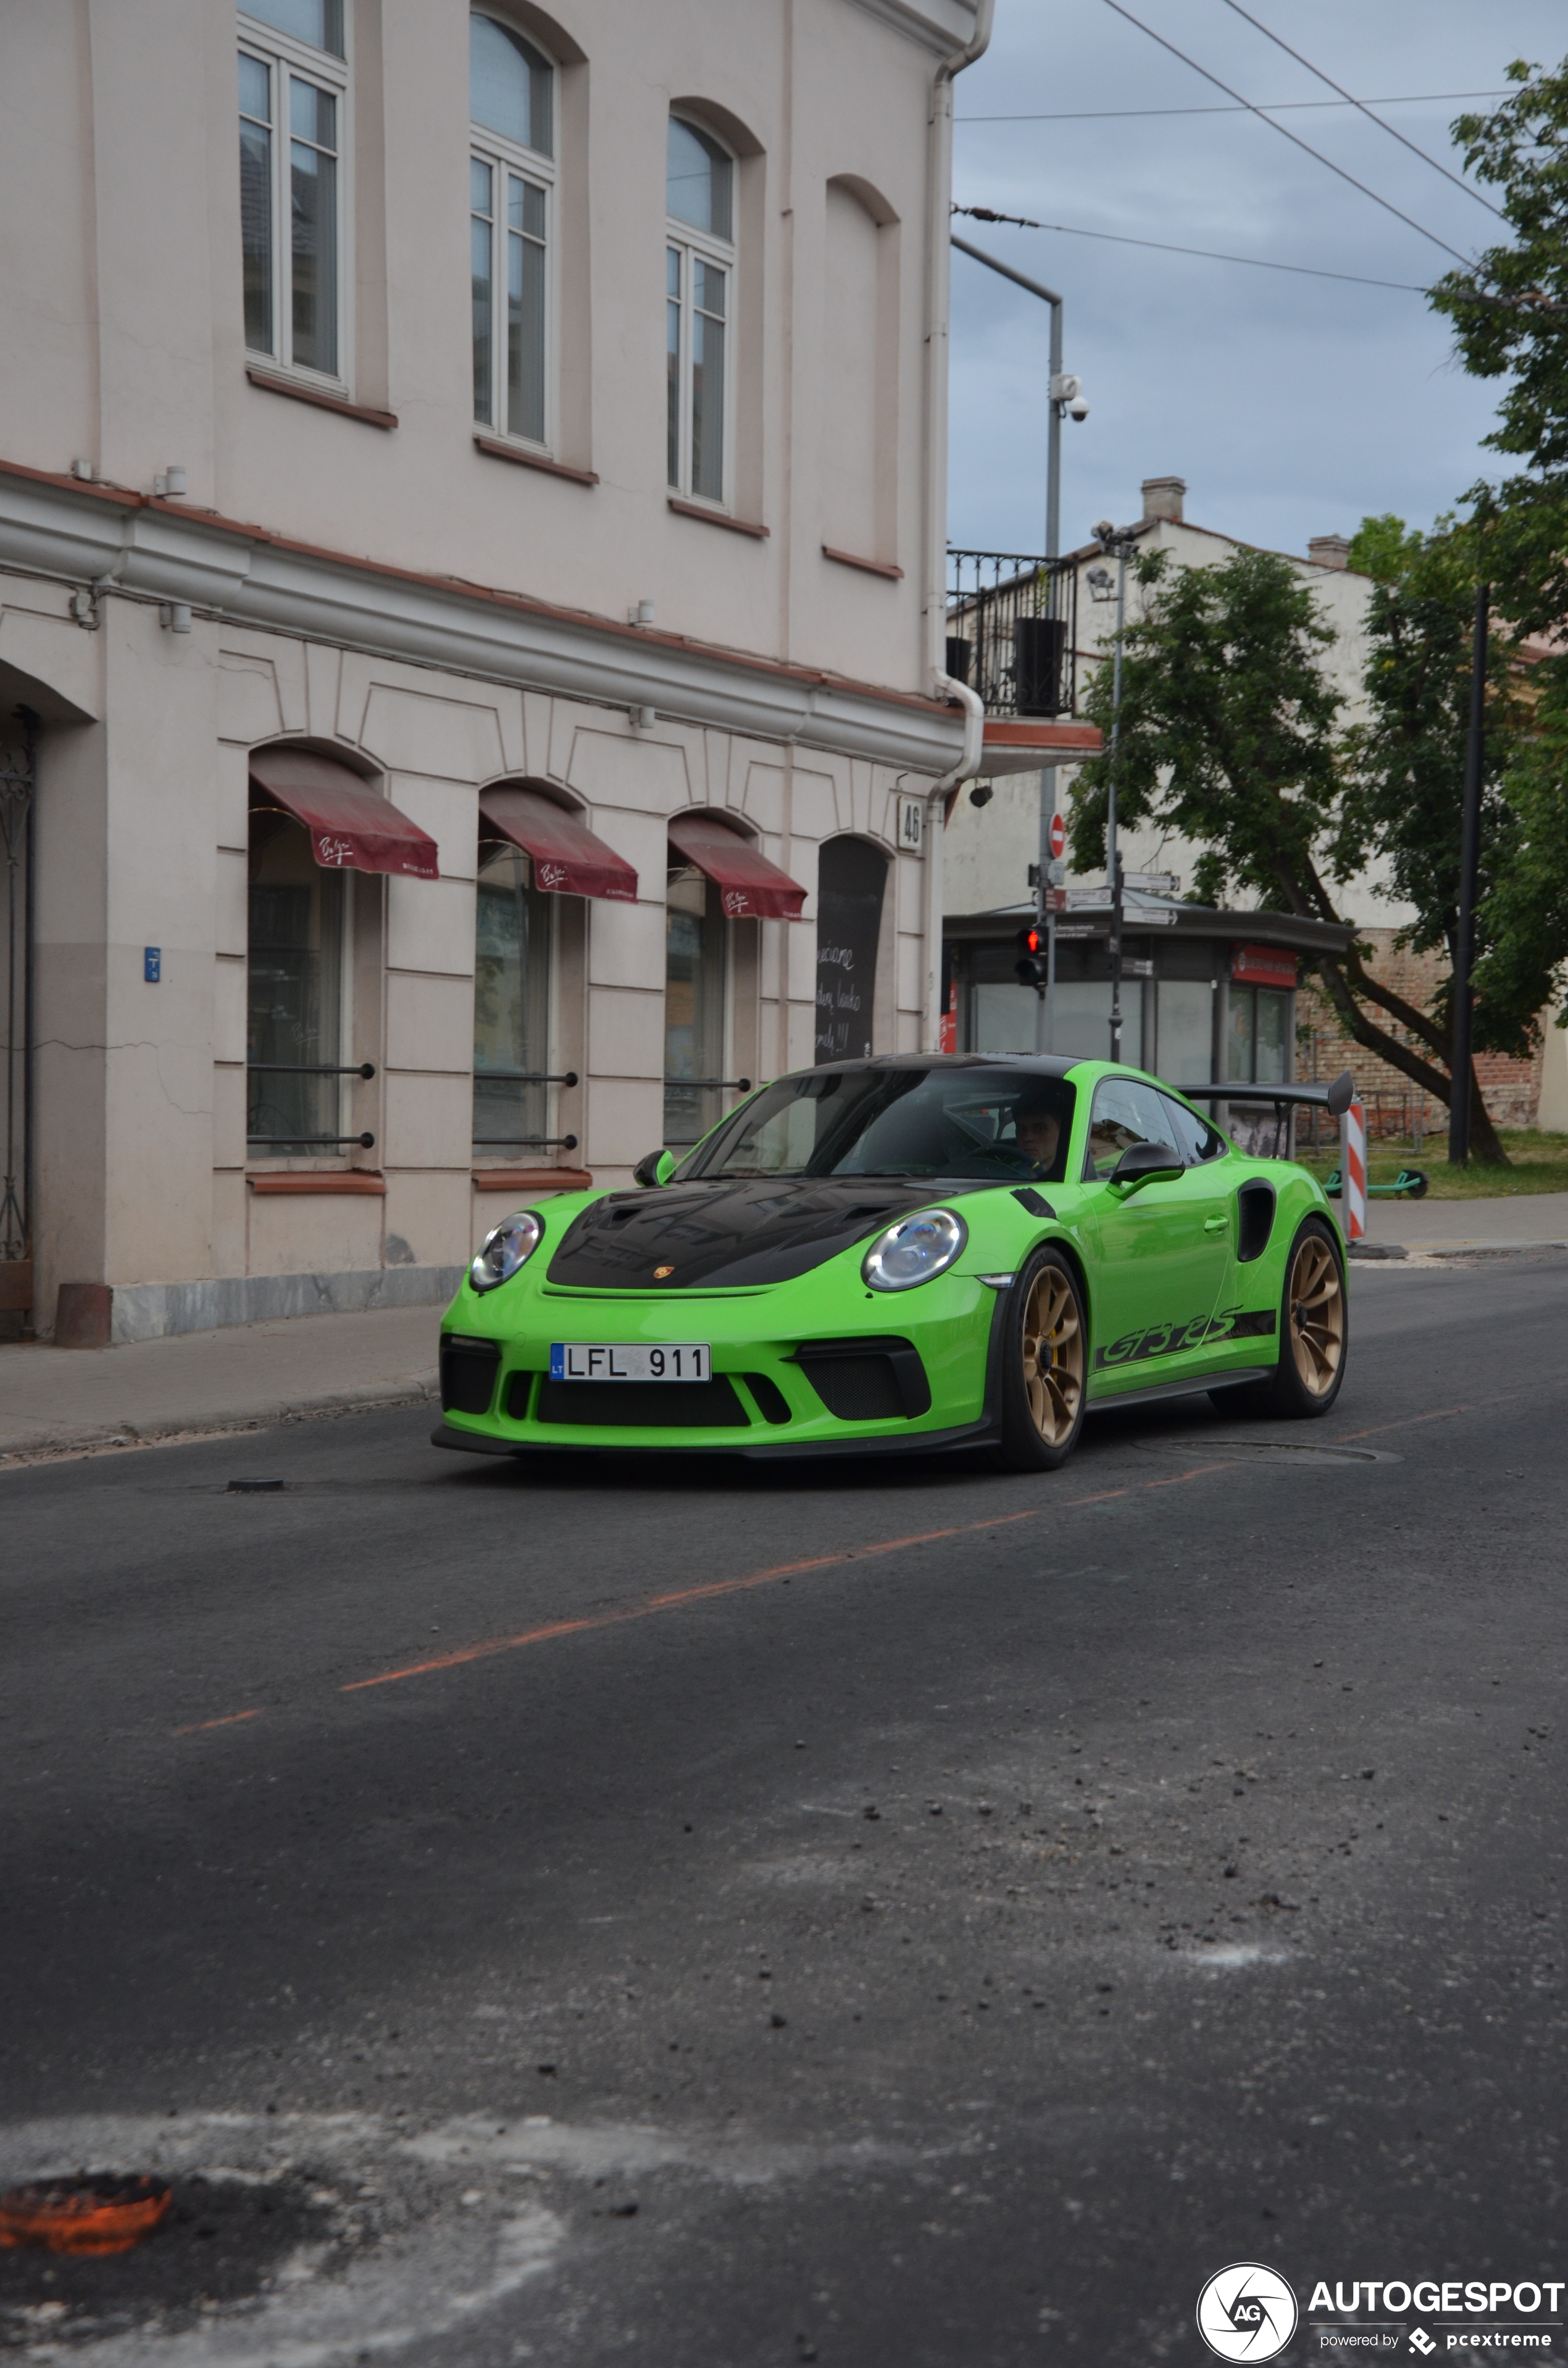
x: 472, y: 530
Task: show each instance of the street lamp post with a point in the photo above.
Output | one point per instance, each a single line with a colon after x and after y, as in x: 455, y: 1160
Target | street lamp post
x: 1064, y: 394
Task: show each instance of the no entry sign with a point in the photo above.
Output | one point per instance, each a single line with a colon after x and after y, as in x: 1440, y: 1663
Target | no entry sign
x: 1058, y: 838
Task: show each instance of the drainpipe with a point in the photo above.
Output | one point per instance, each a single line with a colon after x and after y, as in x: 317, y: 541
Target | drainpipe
x: 935, y: 831
x: 939, y: 177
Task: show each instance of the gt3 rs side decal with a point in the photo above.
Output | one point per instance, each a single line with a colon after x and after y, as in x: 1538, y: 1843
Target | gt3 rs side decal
x: 1174, y: 1339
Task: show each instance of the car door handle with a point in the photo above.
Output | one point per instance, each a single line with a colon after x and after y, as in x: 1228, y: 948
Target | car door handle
x: 1216, y: 1225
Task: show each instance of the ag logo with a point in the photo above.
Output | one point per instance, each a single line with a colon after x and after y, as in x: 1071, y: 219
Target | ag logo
x: 1246, y: 2312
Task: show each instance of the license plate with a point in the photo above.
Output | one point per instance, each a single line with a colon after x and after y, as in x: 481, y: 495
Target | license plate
x: 579, y: 1360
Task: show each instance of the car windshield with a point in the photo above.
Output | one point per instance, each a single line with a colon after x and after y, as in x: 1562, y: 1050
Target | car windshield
x: 995, y: 1126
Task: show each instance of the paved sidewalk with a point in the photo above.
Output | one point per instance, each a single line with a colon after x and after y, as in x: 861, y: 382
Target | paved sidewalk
x: 1507, y: 1223
x: 246, y: 1373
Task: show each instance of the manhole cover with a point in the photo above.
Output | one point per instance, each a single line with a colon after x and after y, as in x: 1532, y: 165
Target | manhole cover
x: 1264, y: 1450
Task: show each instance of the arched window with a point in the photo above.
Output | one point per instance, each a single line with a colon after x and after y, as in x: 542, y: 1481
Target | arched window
x: 700, y: 263
x: 851, y: 878
x: 293, y: 101
x: 511, y: 197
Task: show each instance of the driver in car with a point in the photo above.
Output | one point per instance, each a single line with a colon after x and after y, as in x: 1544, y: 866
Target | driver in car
x: 1036, y: 1132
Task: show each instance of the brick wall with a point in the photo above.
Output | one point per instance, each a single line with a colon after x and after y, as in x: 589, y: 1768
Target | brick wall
x: 1510, y: 1089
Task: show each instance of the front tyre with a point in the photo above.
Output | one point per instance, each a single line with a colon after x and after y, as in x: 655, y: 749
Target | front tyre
x: 1044, y: 1362
x: 1312, y: 1335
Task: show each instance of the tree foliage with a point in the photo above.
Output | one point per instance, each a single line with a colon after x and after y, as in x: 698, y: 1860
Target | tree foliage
x: 1510, y: 318
x: 1404, y: 762
x: 1232, y: 735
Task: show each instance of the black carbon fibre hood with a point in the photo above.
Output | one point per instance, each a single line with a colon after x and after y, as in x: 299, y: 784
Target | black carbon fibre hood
x: 729, y: 1235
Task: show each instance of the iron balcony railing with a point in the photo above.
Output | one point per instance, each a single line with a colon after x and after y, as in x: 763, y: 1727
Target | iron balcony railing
x: 1012, y: 626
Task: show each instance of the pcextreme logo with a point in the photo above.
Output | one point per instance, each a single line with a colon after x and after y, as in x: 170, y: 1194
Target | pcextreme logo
x: 1246, y: 2312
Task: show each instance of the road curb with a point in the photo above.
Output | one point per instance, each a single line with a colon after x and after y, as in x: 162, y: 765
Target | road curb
x: 22, y: 1445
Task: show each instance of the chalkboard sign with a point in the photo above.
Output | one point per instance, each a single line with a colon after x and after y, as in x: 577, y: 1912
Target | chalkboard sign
x: 851, y: 877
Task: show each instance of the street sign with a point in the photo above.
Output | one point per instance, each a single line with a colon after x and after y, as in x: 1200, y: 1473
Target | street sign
x: 1058, y: 836
x: 1134, y: 916
x: 1055, y: 900
x: 1151, y: 884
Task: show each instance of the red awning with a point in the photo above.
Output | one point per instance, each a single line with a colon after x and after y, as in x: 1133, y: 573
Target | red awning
x: 566, y: 855
x: 351, y: 828
x: 750, y: 885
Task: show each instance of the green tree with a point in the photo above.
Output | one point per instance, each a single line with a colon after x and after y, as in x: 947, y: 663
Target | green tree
x: 1510, y: 318
x: 1232, y: 735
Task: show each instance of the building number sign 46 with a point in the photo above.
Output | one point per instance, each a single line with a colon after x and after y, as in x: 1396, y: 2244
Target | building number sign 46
x: 912, y: 825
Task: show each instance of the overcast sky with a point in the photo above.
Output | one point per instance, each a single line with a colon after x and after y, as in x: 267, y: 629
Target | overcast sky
x: 1292, y: 406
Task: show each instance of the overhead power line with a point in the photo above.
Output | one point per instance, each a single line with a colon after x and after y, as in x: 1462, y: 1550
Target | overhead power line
x: 1286, y: 133
x: 1162, y: 246
x: 1284, y: 107
x: 1235, y: 5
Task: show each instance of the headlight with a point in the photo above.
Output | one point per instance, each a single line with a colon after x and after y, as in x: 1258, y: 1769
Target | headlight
x: 506, y: 1247
x: 913, y: 1250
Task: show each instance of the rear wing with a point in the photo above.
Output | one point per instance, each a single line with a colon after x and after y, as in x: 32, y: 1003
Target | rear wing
x: 1336, y: 1098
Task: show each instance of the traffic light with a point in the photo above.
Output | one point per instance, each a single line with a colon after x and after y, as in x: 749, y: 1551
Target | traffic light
x: 1031, y: 966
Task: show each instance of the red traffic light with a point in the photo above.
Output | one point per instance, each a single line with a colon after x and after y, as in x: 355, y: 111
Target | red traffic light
x: 1031, y: 941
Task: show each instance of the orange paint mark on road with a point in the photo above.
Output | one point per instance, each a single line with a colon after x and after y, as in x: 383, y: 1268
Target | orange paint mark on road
x: 1198, y: 1472
x: 1407, y: 1421
x: 676, y: 1601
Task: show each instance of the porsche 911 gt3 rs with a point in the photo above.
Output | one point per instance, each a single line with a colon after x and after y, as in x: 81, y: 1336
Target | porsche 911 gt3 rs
x: 925, y: 1253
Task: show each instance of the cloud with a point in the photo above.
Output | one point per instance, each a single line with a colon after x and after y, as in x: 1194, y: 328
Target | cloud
x: 1292, y: 406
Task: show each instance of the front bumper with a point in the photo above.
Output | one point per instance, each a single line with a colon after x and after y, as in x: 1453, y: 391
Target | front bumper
x: 905, y: 1371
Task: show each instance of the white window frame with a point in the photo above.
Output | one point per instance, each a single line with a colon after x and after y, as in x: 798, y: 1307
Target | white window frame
x: 282, y: 56
x: 505, y: 156
x: 682, y: 238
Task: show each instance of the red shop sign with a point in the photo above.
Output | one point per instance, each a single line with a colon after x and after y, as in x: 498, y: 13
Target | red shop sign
x: 1263, y: 966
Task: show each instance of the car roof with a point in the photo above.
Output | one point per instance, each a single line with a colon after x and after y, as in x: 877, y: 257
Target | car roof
x: 1043, y: 1064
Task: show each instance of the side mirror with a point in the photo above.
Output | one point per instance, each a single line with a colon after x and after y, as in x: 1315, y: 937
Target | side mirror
x: 657, y: 1168
x: 1145, y: 1163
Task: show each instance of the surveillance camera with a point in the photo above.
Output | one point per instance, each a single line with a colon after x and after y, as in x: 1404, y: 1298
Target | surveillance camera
x: 981, y: 794
x: 1077, y: 408
x: 1105, y: 534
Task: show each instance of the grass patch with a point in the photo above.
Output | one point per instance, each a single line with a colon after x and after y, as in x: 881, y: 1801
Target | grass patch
x: 1538, y: 1162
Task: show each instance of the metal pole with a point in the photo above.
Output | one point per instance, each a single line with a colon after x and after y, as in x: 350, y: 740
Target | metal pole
x: 1045, y: 916
x: 1113, y: 858
x: 1463, y: 1013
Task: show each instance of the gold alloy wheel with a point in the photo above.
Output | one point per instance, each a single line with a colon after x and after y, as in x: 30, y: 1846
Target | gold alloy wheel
x: 1054, y: 1356
x: 1314, y: 1305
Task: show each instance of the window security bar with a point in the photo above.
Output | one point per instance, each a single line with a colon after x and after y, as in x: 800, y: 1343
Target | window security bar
x: 524, y: 1077
x: 723, y: 1084
x: 525, y: 1141
x: 309, y: 1069
x: 365, y: 1141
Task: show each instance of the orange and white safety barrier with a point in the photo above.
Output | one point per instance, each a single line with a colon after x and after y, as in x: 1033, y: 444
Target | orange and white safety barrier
x: 1353, y: 1173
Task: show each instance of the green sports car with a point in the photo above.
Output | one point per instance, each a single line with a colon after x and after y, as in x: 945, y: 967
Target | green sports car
x: 925, y: 1253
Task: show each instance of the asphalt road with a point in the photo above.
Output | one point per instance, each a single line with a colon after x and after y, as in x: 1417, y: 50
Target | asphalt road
x: 901, y: 1919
